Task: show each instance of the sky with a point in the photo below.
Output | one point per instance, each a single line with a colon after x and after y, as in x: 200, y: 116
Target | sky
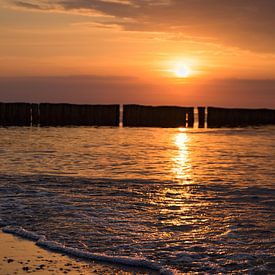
x: 159, y: 52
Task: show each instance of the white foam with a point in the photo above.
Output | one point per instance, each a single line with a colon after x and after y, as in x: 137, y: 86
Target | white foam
x: 40, y: 240
x: 19, y: 231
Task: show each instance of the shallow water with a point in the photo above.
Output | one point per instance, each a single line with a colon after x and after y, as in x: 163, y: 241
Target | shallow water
x: 194, y: 200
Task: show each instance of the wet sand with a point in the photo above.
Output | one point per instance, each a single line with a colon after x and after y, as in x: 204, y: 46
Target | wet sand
x: 19, y: 256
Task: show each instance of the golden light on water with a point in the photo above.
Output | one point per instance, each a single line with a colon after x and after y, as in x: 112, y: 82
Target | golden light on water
x: 182, y: 166
x: 181, y: 139
x: 173, y: 196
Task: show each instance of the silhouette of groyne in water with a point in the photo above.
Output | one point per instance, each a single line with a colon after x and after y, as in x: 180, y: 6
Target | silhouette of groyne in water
x: 80, y: 115
x: 50, y: 114
x: 236, y: 117
x: 15, y: 114
x: 157, y: 116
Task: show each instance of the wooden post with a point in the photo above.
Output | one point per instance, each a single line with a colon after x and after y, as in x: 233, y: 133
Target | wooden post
x: 15, y: 114
x: 191, y: 119
x: 2, y: 114
x: 34, y: 114
x: 201, y: 117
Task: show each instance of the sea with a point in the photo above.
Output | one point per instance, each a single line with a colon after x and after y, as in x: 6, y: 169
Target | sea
x: 174, y: 201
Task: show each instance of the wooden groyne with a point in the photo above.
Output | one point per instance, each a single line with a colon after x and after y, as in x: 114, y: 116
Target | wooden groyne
x: 157, y: 116
x: 63, y: 114
x: 236, y: 117
x: 80, y: 115
x: 48, y: 114
x: 15, y: 114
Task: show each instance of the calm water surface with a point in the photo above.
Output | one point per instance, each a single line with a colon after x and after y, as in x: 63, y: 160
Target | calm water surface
x: 193, y: 200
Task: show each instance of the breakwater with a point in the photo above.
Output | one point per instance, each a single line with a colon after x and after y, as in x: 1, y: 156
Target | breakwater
x: 63, y: 114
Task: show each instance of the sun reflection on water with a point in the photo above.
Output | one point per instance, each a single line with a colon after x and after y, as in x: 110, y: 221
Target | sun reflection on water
x: 175, y: 199
x: 181, y: 161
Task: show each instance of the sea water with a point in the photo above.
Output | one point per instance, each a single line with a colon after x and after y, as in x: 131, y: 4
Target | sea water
x: 174, y: 200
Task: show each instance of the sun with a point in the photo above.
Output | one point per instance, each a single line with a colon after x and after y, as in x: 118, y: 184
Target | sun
x: 181, y: 71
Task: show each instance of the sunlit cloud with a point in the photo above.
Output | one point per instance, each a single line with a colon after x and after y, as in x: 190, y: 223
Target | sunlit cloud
x: 248, y: 24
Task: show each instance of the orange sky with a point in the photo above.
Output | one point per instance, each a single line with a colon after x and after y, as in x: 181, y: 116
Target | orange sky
x: 127, y: 51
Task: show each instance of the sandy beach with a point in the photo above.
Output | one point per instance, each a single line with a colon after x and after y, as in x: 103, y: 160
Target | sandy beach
x: 19, y: 256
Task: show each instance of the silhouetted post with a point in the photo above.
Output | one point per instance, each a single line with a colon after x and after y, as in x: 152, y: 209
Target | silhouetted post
x: 2, y: 114
x: 34, y: 114
x: 191, y: 118
x: 201, y: 117
x: 15, y: 114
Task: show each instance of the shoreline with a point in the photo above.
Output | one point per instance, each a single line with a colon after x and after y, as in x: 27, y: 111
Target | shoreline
x: 19, y: 256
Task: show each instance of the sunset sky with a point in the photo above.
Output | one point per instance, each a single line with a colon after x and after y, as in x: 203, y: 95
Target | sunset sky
x: 180, y: 52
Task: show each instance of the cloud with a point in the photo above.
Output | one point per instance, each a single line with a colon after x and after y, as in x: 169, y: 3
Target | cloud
x: 248, y: 24
x: 28, y: 5
x: 35, y: 5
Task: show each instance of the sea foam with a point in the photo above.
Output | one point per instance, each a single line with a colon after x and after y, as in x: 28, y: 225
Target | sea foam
x: 41, y: 241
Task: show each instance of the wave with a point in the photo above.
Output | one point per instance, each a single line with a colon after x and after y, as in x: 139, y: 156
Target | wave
x: 41, y: 241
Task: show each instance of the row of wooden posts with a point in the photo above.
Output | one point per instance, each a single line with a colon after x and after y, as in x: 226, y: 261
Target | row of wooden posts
x: 48, y: 114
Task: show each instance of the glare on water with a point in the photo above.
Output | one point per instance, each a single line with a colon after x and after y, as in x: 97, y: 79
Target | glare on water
x: 182, y: 164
